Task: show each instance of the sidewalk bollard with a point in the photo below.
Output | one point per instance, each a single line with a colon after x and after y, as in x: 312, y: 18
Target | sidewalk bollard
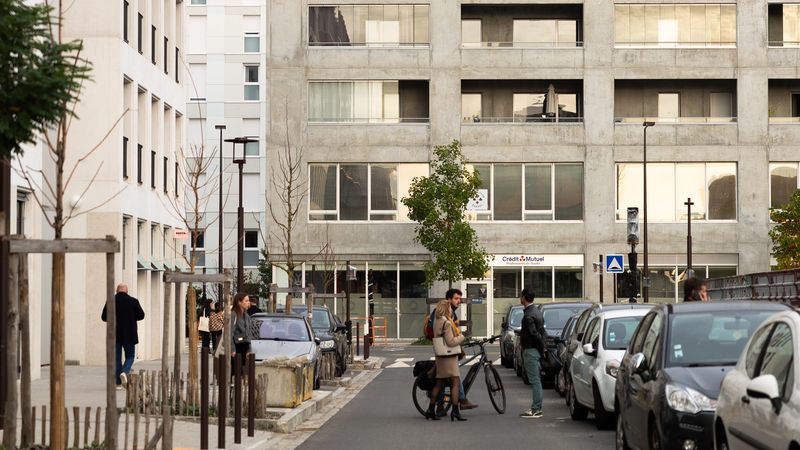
x: 358, y: 339
x: 204, y: 399
x: 237, y: 400
x: 366, y: 345
x: 251, y: 394
x: 223, y: 385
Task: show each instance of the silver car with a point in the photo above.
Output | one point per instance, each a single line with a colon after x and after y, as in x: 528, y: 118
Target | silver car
x: 279, y: 335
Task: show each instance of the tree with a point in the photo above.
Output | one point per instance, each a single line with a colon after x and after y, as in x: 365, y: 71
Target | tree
x: 257, y: 283
x: 438, y: 203
x: 786, y: 233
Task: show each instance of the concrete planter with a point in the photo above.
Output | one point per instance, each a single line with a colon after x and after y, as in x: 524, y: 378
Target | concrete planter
x: 291, y: 382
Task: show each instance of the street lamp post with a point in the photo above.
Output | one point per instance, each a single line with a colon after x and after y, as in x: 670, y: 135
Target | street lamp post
x: 219, y: 221
x: 689, y: 270
x: 646, y: 268
x: 240, y: 211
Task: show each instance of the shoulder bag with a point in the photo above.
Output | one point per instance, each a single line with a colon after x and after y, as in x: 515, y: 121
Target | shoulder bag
x: 440, y: 347
x: 203, y: 323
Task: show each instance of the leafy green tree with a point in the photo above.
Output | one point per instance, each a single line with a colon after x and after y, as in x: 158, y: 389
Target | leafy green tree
x: 257, y: 283
x: 40, y: 74
x: 437, y: 203
x: 786, y: 233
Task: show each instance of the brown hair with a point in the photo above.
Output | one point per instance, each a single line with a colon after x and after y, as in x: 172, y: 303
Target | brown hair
x: 237, y: 303
x: 443, y: 309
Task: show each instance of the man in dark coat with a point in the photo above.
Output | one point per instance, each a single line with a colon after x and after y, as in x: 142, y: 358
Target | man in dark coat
x: 129, y: 311
x: 532, y: 339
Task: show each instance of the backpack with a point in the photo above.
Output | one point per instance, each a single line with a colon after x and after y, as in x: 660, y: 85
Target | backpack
x: 427, y: 329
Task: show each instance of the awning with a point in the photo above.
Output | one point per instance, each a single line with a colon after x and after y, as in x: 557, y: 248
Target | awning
x: 142, y: 263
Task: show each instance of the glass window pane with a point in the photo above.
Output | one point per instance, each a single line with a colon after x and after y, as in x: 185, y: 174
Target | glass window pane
x: 567, y: 32
x: 622, y: 27
x: 779, y: 359
x: 384, y: 188
x: 713, y: 18
x: 569, y: 283
x: 629, y: 188
x: 406, y: 175
x: 534, y: 32
x: 660, y: 192
x: 538, y: 184
x: 721, y: 271
x: 721, y: 104
x: 383, y: 279
x: 667, y: 26
x: 569, y: 191
x: 322, y: 187
x: 345, y: 24
x: 360, y: 15
x: 252, y: 196
x: 374, y: 22
x: 782, y: 184
x: 406, y: 18
x: 507, y: 283
x: 361, y: 103
x: 567, y: 105
x: 251, y: 74
x: 721, y: 191
x: 683, y: 16
x: 391, y: 101
x: 652, y: 13
x: 251, y: 44
x: 471, y: 33
x: 421, y: 24
x: 728, y: 24
x: 540, y: 279
x: 390, y: 28
x: 507, y: 192
x: 484, y: 172
x: 691, y: 185
x: 353, y: 192
x: 251, y: 149
x: 528, y: 107
x: 412, y: 295
x: 251, y: 92
x: 375, y: 101
x: 668, y: 106
x: 637, y: 24
x: 698, y: 23
x: 470, y: 107
x: 251, y: 239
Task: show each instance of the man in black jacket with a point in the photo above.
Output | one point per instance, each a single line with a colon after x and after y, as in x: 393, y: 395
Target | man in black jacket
x: 129, y: 311
x: 532, y: 340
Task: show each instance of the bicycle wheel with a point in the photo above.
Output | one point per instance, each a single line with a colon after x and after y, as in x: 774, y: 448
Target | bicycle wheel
x: 495, y: 386
x: 421, y: 398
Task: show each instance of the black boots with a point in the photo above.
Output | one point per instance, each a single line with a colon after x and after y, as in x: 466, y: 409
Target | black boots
x: 430, y: 414
x: 455, y: 414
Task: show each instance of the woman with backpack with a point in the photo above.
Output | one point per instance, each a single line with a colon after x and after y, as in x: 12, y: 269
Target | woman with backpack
x: 446, y: 366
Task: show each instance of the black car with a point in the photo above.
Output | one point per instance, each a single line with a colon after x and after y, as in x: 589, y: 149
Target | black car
x: 581, y: 322
x: 561, y: 350
x: 330, y: 331
x: 669, y: 380
x: 511, y: 323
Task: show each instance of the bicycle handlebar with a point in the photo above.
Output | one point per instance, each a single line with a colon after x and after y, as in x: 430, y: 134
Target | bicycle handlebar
x: 483, y: 341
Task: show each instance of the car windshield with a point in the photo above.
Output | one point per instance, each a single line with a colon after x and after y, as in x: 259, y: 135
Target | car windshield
x: 556, y: 318
x: 320, y: 320
x: 283, y: 329
x: 618, y: 332
x: 711, y: 339
x: 516, y: 317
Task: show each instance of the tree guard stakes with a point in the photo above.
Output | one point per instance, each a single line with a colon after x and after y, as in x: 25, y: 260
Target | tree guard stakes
x: 177, y: 278
x: 19, y: 249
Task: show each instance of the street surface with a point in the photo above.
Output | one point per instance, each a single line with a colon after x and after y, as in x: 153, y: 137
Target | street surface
x: 383, y: 417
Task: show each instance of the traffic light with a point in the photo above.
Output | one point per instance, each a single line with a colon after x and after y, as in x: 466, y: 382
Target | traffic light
x: 633, y: 226
x: 629, y: 284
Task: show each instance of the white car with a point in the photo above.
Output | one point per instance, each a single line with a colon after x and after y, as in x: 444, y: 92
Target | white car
x: 593, y: 370
x: 759, y: 402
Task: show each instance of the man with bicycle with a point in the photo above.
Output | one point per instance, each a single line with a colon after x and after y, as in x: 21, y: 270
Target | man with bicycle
x: 532, y: 340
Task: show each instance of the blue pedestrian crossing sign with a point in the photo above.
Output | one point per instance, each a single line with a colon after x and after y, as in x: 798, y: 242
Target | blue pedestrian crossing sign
x: 614, y: 264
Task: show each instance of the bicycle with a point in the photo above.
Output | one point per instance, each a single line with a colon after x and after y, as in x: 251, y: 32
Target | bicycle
x: 494, y: 384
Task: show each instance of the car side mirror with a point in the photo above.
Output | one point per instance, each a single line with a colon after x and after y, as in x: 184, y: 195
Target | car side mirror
x: 766, y: 387
x: 638, y: 363
x: 317, y: 341
x: 504, y: 325
x: 589, y: 349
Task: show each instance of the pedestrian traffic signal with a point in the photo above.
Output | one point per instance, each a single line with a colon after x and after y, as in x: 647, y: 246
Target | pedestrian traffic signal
x: 629, y: 284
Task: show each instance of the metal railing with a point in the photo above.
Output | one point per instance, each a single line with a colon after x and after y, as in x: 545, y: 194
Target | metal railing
x: 521, y: 119
x: 403, y: 120
x: 784, y: 44
x: 784, y: 120
x: 499, y: 44
x: 662, y: 44
x: 675, y: 120
x: 779, y: 285
x: 371, y: 44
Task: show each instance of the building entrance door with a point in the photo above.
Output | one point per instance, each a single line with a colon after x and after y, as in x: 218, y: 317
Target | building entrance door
x: 478, y: 300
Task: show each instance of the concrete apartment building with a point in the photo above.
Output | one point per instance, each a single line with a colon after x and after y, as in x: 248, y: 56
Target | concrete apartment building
x: 548, y: 99
x: 227, y: 86
x: 135, y: 47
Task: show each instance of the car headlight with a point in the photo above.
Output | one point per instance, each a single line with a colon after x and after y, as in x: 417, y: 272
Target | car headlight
x: 325, y: 345
x: 612, y: 368
x: 687, y: 400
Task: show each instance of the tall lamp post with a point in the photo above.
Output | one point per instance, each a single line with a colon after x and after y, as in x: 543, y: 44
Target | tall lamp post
x: 689, y: 269
x: 240, y: 161
x: 219, y: 224
x: 646, y: 278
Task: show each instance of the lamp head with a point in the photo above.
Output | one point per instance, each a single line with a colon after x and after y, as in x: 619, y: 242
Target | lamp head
x: 220, y: 127
x: 240, y: 140
x: 648, y: 124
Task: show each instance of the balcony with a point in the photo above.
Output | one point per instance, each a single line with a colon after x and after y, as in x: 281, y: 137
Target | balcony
x: 784, y: 111
x: 368, y: 102
x: 521, y: 101
x: 783, y: 35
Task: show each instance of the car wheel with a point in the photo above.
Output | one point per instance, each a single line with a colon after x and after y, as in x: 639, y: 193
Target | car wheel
x: 576, y: 410
x: 603, y: 419
x: 621, y: 439
x: 655, y: 436
x: 561, y: 383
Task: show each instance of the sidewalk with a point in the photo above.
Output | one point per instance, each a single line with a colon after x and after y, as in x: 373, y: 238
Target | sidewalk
x: 85, y: 387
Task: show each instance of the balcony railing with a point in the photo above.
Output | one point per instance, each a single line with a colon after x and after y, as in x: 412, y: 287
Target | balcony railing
x: 370, y: 44
x: 784, y: 44
x: 491, y: 44
x: 674, y: 120
x: 675, y: 44
x: 521, y: 119
x: 784, y: 120
x: 369, y: 120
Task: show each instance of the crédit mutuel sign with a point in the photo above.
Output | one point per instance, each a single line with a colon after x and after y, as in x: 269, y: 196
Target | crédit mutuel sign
x: 536, y: 260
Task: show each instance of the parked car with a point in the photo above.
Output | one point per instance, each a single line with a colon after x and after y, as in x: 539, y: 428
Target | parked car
x: 286, y: 335
x: 759, y: 402
x: 561, y: 348
x: 669, y: 380
x: 511, y: 323
x: 555, y: 317
x: 581, y: 323
x: 330, y: 331
x: 595, y: 362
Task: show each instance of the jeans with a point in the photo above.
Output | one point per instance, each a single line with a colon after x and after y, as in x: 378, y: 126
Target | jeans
x: 461, y: 394
x: 130, y: 355
x: 531, y: 360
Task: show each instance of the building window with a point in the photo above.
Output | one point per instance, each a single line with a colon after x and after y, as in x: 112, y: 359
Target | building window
x: 368, y: 25
x: 197, y: 82
x: 153, y: 169
x: 251, y: 149
x: 361, y: 191
x: 177, y: 64
x: 784, y: 25
x: 198, y: 2
x: 545, y: 33
x: 124, y: 157
x: 530, y: 192
x: 669, y: 106
x: 140, y: 33
x: 675, y: 25
x: 197, y: 248
x: 783, y: 182
x: 252, y: 42
x: 166, y: 55
x: 721, y: 105
x: 22, y: 201
x: 139, y: 166
x: 125, y: 8
x: 252, y: 197
x: 711, y: 186
x: 125, y: 221
x: 471, y: 33
x: 153, y: 44
x: 471, y: 107
x: 177, y: 168
x: 166, y: 173
x: 251, y: 248
x: 354, y: 101
x: 251, y: 87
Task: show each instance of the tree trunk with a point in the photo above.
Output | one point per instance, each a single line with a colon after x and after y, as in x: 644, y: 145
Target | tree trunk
x: 25, y: 347
x: 12, y: 339
x: 57, y: 411
x: 178, y: 347
x: 166, y: 441
x: 191, y: 309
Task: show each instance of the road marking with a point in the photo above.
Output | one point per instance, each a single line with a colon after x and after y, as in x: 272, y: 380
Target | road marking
x: 473, y: 362
x: 433, y: 358
x: 398, y: 364
x: 405, y: 359
x: 497, y: 362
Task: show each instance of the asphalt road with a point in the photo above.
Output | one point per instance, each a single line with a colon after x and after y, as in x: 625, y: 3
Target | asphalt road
x: 383, y: 417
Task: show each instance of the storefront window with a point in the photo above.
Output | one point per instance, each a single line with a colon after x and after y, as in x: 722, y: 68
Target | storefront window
x: 541, y: 281
x: 412, y: 300
x: 382, y: 287
x: 569, y: 283
x: 507, y: 287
